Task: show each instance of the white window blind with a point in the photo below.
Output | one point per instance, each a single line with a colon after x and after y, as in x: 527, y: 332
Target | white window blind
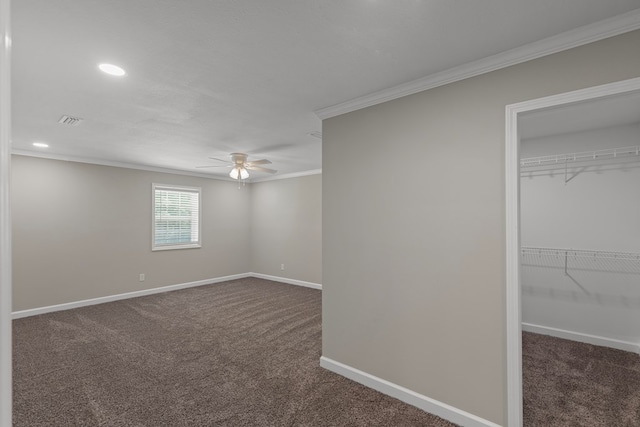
x: 176, y: 217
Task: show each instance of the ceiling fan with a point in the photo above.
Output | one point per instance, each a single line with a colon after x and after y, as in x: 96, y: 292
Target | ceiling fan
x: 241, y: 166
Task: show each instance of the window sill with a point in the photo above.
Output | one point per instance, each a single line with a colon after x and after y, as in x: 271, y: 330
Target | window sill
x: 172, y: 247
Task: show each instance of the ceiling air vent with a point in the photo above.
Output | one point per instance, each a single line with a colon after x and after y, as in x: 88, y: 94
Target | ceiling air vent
x: 69, y: 120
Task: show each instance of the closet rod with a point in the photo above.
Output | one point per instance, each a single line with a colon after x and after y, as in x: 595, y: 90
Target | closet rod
x: 608, y: 154
x: 580, y: 253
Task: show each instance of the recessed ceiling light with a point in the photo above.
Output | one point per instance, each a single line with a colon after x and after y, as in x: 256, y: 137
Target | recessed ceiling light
x: 40, y: 144
x: 114, y: 70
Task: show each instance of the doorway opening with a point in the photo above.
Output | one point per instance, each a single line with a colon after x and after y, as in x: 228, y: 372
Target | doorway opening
x: 515, y: 114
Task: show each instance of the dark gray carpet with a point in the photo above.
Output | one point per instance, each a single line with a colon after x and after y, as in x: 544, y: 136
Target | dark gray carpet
x: 240, y: 353
x: 566, y: 383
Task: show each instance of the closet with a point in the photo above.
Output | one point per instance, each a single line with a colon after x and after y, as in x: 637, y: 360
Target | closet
x: 580, y: 213
x: 580, y: 263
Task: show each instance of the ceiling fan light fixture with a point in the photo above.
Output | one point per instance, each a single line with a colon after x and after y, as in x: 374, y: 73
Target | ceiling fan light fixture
x: 239, y: 173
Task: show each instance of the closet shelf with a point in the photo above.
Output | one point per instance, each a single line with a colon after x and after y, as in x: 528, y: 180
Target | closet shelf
x: 608, y: 154
x: 580, y: 253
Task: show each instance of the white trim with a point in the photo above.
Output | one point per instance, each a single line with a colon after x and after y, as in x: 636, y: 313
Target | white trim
x: 287, y: 280
x: 114, y: 164
x: 127, y: 295
x: 616, y: 88
x: 5, y: 216
x: 288, y: 175
x: 144, y: 292
x: 512, y: 176
x: 512, y: 261
x: 135, y: 166
x: 577, y: 37
x: 580, y: 337
x: 432, y: 406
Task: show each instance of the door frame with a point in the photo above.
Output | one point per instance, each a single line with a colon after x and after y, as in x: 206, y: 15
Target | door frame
x: 5, y: 215
x: 513, y: 262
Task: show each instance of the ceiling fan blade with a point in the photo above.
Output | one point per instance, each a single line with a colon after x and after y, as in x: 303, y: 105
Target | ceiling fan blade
x: 261, y: 169
x: 265, y: 151
x: 259, y: 162
x: 214, y: 166
x: 220, y: 160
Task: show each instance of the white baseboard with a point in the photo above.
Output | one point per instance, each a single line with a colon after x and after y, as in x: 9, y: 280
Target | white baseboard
x: 286, y: 280
x: 101, y: 300
x: 442, y: 410
x: 135, y: 294
x: 580, y: 337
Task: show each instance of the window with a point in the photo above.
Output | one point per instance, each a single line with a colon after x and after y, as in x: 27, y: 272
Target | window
x: 176, y: 217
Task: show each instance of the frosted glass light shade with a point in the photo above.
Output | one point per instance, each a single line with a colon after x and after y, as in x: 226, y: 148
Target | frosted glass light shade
x: 238, y: 171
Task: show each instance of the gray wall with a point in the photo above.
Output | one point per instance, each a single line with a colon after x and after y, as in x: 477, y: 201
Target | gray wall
x: 414, y: 230
x: 286, y: 228
x: 84, y: 231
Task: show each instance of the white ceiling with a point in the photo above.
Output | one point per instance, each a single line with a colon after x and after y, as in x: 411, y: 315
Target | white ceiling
x: 207, y: 78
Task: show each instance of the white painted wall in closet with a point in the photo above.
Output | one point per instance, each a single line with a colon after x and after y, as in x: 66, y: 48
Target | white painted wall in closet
x: 598, y: 208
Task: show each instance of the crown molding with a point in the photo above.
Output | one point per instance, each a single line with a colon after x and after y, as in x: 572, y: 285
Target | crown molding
x: 577, y: 37
x: 135, y: 166
x: 125, y: 165
x: 288, y: 175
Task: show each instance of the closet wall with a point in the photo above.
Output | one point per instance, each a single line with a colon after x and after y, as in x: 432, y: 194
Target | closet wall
x: 593, y: 206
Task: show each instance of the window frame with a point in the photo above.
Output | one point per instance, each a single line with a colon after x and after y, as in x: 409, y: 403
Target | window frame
x: 177, y: 188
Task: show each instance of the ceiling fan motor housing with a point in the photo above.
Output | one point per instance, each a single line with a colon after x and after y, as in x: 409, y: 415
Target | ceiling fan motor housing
x: 239, y: 158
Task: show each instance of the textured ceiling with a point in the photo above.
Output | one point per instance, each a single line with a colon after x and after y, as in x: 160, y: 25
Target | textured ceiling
x: 207, y: 78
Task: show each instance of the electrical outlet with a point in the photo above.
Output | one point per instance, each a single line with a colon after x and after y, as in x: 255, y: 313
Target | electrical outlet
x: 142, y: 277
x: 281, y: 266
